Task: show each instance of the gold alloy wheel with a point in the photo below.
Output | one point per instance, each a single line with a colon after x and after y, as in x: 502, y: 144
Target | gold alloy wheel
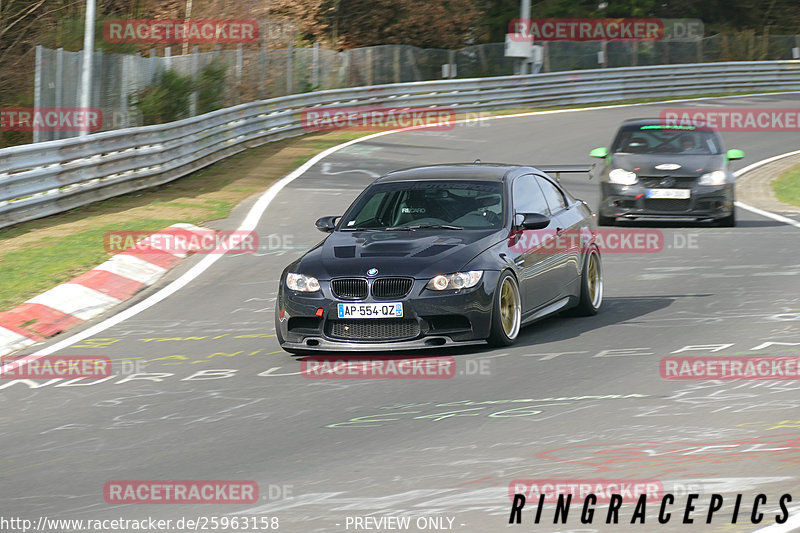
x: 595, y: 280
x: 510, y: 308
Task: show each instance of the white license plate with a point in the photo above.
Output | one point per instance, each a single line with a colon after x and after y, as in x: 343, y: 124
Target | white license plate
x: 676, y: 194
x: 381, y: 310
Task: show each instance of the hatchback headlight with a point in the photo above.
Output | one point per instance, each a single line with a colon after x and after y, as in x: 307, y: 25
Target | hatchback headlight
x: 459, y: 280
x: 622, y: 177
x: 301, y: 282
x: 713, y: 178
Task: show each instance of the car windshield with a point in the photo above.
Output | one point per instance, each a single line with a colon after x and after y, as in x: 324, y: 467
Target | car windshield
x: 656, y: 139
x: 410, y: 205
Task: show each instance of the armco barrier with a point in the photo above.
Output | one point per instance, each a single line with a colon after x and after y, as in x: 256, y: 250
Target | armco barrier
x: 42, y: 179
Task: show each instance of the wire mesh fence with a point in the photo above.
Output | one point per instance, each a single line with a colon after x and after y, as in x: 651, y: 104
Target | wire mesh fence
x: 260, y: 72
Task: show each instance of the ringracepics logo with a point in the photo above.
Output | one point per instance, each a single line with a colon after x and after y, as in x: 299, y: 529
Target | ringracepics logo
x: 179, y: 241
x: 652, y: 499
x: 734, y: 119
x: 389, y: 367
x: 377, y: 118
x: 180, y: 31
x: 608, y: 240
x: 180, y: 492
x: 51, y: 119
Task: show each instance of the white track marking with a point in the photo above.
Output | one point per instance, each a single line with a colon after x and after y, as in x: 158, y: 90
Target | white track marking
x: 76, y: 300
x: 131, y: 267
x: 768, y: 214
x: 260, y: 207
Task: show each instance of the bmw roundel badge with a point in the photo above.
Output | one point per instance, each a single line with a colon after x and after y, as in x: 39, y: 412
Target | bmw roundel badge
x: 372, y: 272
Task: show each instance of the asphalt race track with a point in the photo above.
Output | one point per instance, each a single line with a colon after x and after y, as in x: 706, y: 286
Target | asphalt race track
x: 575, y: 399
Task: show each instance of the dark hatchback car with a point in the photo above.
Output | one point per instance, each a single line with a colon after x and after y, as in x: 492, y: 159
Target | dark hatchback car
x: 657, y: 170
x: 439, y: 256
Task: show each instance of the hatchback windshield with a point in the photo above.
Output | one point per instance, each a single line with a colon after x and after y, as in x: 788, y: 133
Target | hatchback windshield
x: 655, y: 139
x: 412, y: 204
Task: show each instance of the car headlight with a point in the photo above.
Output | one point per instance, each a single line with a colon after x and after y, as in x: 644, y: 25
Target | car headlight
x: 301, y: 282
x: 622, y: 177
x: 459, y: 280
x: 713, y: 178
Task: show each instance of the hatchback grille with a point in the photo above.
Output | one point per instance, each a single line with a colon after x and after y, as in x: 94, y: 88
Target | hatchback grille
x: 667, y: 205
x: 653, y: 182
x: 349, y: 288
x: 373, y: 329
x: 391, y: 287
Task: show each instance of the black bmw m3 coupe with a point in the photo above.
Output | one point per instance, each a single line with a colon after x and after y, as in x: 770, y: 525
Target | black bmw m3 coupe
x: 442, y: 255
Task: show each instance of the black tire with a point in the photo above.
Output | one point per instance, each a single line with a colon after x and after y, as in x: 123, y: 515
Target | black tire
x: 591, y: 293
x: 726, y: 222
x: 506, y: 311
x: 606, y: 221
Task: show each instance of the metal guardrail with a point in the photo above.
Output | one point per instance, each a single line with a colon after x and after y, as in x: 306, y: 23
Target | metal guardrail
x: 42, y: 179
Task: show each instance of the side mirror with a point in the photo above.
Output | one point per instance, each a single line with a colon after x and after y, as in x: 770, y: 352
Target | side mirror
x: 326, y: 224
x: 734, y: 154
x: 602, y: 153
x: 534, y: 221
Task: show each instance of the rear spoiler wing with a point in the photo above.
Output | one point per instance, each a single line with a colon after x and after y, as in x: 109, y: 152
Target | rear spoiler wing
x: 557, y: 170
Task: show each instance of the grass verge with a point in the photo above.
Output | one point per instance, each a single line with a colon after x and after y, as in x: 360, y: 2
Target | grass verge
x: 787, y: 186
x: 38, y: 255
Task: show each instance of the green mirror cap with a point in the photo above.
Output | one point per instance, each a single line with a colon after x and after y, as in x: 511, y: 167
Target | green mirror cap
x: 735, y: 154
x: 598, y: 152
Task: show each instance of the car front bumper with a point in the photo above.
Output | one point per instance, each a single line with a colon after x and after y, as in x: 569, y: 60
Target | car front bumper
x: 630, y: 201
x: 430, y: 319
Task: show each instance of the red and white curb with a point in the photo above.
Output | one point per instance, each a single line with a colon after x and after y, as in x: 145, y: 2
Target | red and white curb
x: 91, y: 293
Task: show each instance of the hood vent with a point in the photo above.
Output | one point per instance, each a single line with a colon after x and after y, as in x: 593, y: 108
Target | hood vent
x: 435, y: 249
x: 344, y: 252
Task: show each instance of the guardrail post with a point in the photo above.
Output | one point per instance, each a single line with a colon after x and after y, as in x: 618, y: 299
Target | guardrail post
x: 602, y: 57
x: 315, y: 68
x: 262, y: 79
x: 396, y: 63
x: 369, y: 66
x: 289, y: 67
x: 125, y: 70
x: 796, y: 49
x: 239, y: 63
x: 546, y: 56
x: 59, y: 97
x: 37, y: 89
x: 195, y: 72
x: 344, y: 78
x: 635, y: 54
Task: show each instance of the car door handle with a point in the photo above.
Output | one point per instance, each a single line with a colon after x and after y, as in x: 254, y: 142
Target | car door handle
x: 520, y: 261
